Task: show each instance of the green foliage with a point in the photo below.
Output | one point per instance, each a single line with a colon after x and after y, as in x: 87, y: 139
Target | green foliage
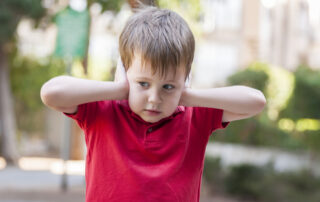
x: 213, y: 174
x: 262, y: 184
x: 289, y: 95
x: 265, y: 184
x: 11, y: 11
x: 113, y: 5
x: 212, y: 166
x: 300, y: 101
x: 259, y: 130
x: 311, y: 139
x: 255, y: 132
x: 306, y: 96
x: 27, y: 77
x: 192, y: 8
x: 243, y: 180
x: 249, y: 77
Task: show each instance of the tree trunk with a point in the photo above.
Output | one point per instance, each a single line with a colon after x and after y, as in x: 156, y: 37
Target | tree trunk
x: 7, y: 116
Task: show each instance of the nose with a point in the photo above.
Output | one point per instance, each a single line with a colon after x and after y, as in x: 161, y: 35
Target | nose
x: 154, y: 96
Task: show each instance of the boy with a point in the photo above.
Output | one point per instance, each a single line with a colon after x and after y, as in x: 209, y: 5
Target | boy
x: 146, y: 134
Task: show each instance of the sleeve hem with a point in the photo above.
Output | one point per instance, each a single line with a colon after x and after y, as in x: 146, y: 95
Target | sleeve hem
x: 224, y: 124
x: 220, y: 124
x: 76, y: 115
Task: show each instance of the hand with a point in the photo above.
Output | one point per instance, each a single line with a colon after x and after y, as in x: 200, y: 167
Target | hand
x: 120, y: 74
x: 188, y: 81
x: 187, y: 87
x: 185, y: 96
x: 121, y: 78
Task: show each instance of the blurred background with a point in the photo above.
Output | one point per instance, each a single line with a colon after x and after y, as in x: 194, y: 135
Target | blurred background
x: 270, y: 45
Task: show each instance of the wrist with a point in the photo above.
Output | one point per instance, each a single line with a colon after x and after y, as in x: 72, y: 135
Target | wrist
x: 123, y: 90
x: 186, y: 96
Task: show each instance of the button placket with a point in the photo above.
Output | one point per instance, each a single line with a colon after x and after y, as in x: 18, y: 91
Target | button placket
x: 151, y: 134
x: 148, y: 134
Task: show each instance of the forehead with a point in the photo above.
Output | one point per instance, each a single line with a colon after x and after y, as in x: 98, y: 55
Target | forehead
x: 140, y: 68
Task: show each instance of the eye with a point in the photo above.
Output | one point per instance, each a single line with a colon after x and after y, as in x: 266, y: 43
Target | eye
x: 168, y: 87
x: 144, y: 84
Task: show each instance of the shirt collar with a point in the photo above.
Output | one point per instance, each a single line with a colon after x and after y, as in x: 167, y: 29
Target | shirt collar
x: 125, y: 105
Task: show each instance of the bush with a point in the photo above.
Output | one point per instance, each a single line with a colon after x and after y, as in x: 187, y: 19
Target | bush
x: 289, y: 95
x: 255, y: 78
x: 306, y: 96
x: 27, y: 76
x: 246, y: 181
x: 212, y: 172
x: 262, y: 184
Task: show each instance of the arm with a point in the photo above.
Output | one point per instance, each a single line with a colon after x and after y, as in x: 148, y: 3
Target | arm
x: 65, y: 93
x: 238, y: 102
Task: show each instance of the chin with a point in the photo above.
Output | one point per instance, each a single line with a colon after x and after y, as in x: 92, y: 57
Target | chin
x: 150, y: 120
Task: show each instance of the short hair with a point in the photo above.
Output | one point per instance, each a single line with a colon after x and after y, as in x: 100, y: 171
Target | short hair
x: 161, y: 36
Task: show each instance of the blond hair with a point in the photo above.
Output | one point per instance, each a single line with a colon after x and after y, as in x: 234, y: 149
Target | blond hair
x: 161, y: 37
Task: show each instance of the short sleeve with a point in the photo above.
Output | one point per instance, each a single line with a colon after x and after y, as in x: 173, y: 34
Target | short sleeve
x: 85, y: 115
x: 209, y: 118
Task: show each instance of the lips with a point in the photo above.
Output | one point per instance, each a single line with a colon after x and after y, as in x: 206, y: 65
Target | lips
x: 152, y: 112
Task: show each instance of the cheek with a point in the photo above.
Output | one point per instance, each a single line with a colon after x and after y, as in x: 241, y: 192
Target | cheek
x: 136, y: 96
x: 173, y: 99
x: 177, y: 94
x: 134, y: 91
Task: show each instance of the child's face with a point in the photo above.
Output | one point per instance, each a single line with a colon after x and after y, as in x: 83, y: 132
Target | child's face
x: 151, y: 92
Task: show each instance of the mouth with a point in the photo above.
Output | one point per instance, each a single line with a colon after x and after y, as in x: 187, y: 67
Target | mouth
x: 152, y: 112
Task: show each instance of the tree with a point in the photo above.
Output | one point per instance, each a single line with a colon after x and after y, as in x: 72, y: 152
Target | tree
x: 11, y: 12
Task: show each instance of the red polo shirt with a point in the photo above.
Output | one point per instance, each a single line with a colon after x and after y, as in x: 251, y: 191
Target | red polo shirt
x: 129, y: 159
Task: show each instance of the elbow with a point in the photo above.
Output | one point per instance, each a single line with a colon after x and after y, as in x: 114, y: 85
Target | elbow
x: 260, y: 101
x: 50, y: 91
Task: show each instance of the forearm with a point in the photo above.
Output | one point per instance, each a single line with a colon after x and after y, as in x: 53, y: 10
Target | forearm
x: 236, y: 99
x: 66, y: 91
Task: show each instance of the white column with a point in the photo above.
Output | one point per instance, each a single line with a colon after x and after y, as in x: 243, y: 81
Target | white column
x: 250, y: 32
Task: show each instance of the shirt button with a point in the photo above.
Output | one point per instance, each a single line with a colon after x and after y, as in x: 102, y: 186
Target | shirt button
x: 149, y: 130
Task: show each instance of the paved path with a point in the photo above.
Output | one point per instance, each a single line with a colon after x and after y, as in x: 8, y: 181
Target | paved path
x: 17, y: 185
x: 17, y: 179
x: 42, y: 196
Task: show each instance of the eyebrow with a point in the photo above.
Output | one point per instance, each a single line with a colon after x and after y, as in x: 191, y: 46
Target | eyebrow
x: 145, y: 78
